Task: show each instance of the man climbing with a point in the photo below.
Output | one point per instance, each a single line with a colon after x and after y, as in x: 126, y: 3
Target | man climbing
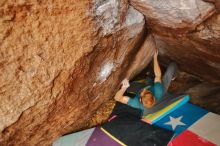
x: 152, y: 94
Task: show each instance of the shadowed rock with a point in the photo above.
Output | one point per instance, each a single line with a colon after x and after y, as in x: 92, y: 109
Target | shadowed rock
x: 187, y: 31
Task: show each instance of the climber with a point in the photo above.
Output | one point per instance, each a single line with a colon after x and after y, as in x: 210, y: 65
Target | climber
x: 148, y: 96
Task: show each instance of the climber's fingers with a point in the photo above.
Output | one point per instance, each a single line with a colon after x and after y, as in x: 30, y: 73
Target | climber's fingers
x: 125, y: 83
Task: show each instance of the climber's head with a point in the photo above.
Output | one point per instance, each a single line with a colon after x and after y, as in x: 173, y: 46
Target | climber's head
x: 147, y: 98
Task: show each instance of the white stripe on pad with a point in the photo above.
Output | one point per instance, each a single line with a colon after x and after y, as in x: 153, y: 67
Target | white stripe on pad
x: 208, y: 127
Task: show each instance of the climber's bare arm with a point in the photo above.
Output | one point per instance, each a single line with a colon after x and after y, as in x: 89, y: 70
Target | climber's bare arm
x: 157, y: 70
x: 119, y: 96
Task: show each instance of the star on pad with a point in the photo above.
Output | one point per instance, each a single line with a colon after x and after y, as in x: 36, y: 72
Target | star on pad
x: 174, y: 122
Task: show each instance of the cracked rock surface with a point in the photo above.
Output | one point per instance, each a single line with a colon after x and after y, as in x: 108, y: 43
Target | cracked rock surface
x: 60, y: 61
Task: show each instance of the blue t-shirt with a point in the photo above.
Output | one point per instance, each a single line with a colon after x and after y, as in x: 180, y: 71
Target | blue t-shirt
x: 135, y: 103
x: 156, y: 89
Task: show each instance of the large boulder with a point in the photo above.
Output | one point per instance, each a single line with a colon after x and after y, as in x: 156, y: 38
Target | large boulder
x: 61, y: 60
x: 186, y: 31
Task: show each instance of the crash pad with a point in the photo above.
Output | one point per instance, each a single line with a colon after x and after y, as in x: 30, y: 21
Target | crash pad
x: 125, y: 129
x: 192, y: 126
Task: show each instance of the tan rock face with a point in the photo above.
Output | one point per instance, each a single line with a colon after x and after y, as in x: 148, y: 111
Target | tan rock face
x: 60, y: 61
x: 186, y: 31
x: 178, y: 16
